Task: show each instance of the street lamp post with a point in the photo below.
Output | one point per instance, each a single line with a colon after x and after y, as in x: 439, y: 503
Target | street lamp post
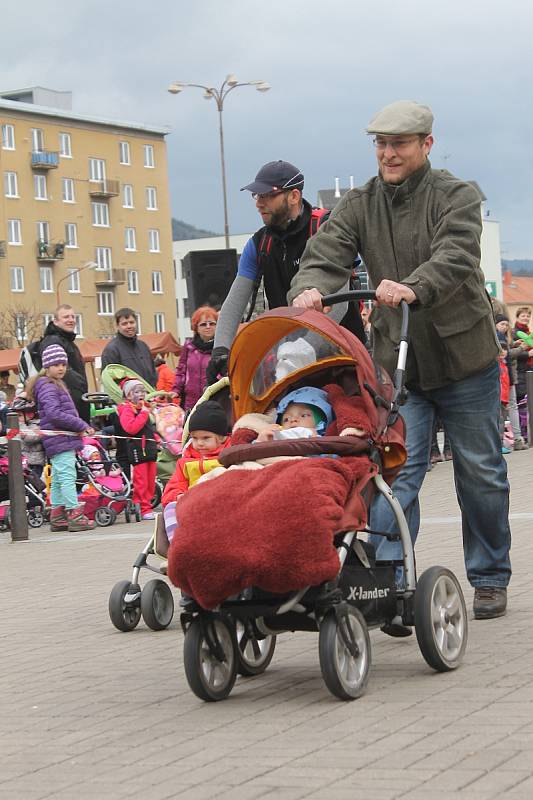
x: 88, y: 265
x: 219, y: 96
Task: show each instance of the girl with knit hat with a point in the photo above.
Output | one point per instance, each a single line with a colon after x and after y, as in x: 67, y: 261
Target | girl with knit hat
x: 134, y: 416
x: 208, y: 428
x: 57, y: 412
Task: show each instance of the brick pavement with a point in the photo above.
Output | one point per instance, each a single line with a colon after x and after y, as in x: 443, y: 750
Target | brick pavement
x: 88, y: 713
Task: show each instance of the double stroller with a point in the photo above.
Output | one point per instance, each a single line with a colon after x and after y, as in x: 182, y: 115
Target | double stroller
x: 264, y: 551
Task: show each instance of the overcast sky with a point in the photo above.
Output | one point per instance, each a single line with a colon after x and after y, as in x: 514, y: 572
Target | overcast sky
x: 331, y: 65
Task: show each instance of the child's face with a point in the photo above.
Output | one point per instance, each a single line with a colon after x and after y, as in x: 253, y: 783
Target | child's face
x: 204, y: 441
x: 298, y: 415
x: 502, y: 326
x: 56, y: 371
x: 137, y: 394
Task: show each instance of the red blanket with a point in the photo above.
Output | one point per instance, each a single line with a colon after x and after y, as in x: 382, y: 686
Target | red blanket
x: 272, y: 528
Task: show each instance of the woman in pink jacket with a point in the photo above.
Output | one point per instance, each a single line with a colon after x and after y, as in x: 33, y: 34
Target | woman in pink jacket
x: 195, y: 356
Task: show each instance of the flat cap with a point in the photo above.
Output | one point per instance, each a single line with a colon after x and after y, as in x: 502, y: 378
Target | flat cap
x: 403, y: 116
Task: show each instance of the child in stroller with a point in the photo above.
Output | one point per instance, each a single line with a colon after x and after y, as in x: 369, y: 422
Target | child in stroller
x: 104, y: 488
x: 33, y: 487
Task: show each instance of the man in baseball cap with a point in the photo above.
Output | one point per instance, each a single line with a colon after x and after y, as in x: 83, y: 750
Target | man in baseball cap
x: 273, y: 255
x: 418, y: 230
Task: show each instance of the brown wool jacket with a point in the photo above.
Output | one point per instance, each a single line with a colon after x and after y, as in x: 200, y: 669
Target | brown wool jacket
x: 424, y: 233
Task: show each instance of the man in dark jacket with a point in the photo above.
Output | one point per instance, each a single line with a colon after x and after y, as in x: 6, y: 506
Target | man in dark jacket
x: 128, y: 350
x: 418, y: 231
x: 273, y: 254
x: 61, y: 330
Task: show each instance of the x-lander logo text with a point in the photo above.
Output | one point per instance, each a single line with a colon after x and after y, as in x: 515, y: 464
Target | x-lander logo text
x: 358, y: 593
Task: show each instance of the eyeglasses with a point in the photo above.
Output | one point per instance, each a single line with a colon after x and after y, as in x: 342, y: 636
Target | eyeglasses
x: 206, y: 324
x: 395, y: 144
x: 268, y: 195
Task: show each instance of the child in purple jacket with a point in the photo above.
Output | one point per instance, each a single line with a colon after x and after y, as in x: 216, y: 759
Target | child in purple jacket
x: 57, y: 412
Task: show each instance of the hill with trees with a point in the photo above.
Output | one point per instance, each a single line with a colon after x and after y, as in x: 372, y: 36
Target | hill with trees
x: 181, y: 230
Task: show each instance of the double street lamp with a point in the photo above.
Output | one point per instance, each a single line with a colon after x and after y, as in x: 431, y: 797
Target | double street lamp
x: 219, y: 96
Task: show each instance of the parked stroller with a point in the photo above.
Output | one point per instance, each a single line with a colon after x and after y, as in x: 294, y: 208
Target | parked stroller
x: 34, y: 489
x: 103, y: 487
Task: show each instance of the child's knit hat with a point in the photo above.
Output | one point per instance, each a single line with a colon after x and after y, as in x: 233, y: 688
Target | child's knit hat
x: 130, y: 384
x: 209, y: 416
x: 52, y: 355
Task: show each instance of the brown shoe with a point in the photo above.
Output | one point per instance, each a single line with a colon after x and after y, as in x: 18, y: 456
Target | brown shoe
x: 78, y: 522
x: 58, y: 519
x: 490, y: 602
x: 520, y: 445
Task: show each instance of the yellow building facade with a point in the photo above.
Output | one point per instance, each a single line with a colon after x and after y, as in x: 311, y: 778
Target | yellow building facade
x: 84, y: 219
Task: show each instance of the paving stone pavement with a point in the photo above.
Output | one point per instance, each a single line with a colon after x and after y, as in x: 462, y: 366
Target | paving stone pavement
x: 88, y: 713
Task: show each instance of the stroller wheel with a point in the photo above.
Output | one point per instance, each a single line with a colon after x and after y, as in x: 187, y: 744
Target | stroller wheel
x: 35, y: 518
x: 157, y: 605
x: 209, y: 657
x: 125, y: 606
x: 254, y: 651
x: 441, y: 623
x: 344, y: 651
x: 105, y: 516
x: 136, y: 511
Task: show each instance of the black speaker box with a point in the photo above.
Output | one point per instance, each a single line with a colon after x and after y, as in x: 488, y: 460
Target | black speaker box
x: 209, y: 275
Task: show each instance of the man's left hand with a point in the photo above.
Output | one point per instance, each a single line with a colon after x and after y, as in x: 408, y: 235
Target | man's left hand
x: 391, y: 294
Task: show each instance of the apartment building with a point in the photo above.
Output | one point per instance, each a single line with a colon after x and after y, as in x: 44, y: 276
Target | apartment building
x: 84, y: 218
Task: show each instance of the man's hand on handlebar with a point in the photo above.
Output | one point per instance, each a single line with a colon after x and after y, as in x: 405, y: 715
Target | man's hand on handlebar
x: 310, y: 298
x: 390, y: 293
x: 218, y: 365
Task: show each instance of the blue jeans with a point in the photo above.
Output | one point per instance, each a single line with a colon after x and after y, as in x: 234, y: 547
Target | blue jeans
x: 469, y: 410
x: 63, y: 488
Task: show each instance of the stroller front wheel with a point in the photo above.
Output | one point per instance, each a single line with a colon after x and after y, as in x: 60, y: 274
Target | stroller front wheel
x: 124, y: 612
x: 157, y: 605
x: 344, y: 652
x: 35, y: 517
x: 209, y: 657
x: 441, y: 623
x: 254, y: 650
x: 105, y: 516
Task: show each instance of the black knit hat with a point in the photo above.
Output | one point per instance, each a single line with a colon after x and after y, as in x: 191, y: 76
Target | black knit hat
x: 209, y: 416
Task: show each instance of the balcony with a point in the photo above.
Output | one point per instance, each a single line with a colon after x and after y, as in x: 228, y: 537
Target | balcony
x: 104, y: 188
x: 3, y: 249
x: 50, y: 251
x: 110, y: 277
x: 44, y: 159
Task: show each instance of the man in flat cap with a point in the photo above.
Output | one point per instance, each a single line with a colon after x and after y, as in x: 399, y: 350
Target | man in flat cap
x: 273, y: 255
x: 418, y: 231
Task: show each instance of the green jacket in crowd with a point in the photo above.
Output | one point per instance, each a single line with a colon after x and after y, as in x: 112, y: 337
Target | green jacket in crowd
x: 424, y: 233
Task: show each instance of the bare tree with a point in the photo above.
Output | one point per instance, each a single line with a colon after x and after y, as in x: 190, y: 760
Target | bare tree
x: 20, y: 325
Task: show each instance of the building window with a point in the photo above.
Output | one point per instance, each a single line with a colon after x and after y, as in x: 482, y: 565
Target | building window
x: 138, y: 319
x: 17, y: 279
x: 21, y: 327
x: 37, y: 140
x: 11, y: 187
x: 153, y: 240
x: 47, y: 283
x: 127, y: 195
x: 130, y: 240
x: 65, y: 149
x: 8, y: 137
x: 96, y: 169
x: 39, y: 185
x: 43, y: 232
x: 100, y: 213
x: 105, y: 303
x: 47, y: 318
x: 74, y: 281
x: 103, y: 258
x: 124, y: 152
x: 14, y: 231
x: 71, y: 234
x: 151, y: 198
x: 79, y: 325
x: 133, y: 281
x: 157, y: 282
x: 159, y: 322
x: 149, y: 156
x: 68, y: 190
